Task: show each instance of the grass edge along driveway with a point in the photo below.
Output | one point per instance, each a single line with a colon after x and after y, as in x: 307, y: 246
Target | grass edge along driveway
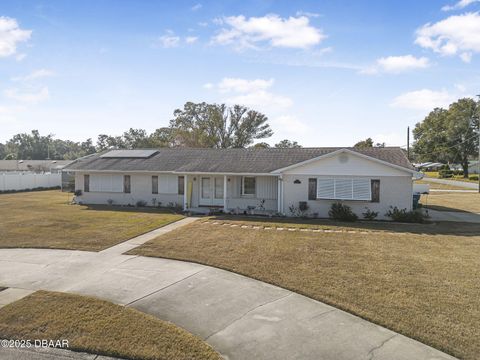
x: 99, y: 327
x: 418, y: 280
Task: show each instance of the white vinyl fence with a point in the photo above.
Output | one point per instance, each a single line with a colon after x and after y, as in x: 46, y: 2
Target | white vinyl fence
x: 22, y: 181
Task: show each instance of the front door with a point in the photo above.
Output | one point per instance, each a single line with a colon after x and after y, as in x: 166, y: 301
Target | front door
x: 211, y: 190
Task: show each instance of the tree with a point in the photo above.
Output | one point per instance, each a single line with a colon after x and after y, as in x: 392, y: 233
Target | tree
x: 367, y: 143
x: 287, y: 144
x: 217, y: 126
x: 449, y: 135
x: 261, y: 145
x: 2, y: 151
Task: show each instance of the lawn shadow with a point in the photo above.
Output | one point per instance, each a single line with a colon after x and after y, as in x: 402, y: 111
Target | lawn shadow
x: 434, y: 228
x: 132, y: 209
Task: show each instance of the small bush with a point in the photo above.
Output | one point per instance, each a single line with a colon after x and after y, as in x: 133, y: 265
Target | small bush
x: 444, y: 174
x: 369, y: 214
x: 154, y: 201
x: 78, y: 192
x: 141, y: 203
x: 473, y: 177
x: 299, y: 211
x: 110, y: 202
x: 342, y: 212
x: 403, y: 215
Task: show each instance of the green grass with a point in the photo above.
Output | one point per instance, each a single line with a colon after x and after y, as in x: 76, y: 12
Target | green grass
x: 99, y: 327
x: 452, y: 201
x: 439, y: 186
x: 419, y: 280
x: 46, y: 219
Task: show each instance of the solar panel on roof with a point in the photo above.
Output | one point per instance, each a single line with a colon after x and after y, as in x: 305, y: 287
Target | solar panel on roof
x: 129, y: 154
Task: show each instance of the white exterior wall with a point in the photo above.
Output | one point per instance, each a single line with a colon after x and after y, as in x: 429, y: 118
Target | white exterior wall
x: 396, y: 186
x: 140, y: 186
x: 23, y: 181
x: 266, y: 189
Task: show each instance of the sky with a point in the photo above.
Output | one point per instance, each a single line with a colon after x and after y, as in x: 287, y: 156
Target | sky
x: 326, y: 73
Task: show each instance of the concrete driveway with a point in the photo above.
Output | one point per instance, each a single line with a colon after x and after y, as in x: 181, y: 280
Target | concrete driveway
x: 240, y: 317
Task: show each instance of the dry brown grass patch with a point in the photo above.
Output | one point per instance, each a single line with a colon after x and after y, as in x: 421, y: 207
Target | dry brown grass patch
x: 419, y: 280
x: 45, y: 219
x: 99, y: 327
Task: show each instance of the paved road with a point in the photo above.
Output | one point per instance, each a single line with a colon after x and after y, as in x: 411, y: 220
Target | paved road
x: 463, y: 184
x: 240, y: 317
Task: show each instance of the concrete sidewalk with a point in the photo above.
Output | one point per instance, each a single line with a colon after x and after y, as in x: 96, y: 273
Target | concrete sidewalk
x: 463, y: 184
x: 455, y: 216
x: 240, y: 317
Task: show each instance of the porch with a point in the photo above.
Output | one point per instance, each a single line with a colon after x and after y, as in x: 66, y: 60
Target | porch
x: 231, y: 193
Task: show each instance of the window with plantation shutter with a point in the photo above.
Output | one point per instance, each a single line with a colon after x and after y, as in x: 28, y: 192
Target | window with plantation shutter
x: 344, y: 189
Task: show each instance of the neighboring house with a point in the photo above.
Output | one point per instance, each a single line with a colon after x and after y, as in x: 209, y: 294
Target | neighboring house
x: 36, y: 166
x: 239, y: 180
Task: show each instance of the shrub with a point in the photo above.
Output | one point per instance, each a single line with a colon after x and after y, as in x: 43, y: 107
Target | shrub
x: 443, y: 174
x: 110, y: 202
x: 403, y: 215
x: 141, y: 203
x: 78, y: 192
x: 342, y: 212
x: 154, y: 201
x: 473, y: 177
x: 299, y: 211
x: 369, y: 214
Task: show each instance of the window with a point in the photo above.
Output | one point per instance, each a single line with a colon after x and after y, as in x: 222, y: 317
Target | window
x: 344, y: 189
x: 375, y: 190
x: 154, y: 184
x: 106, y: 183
x: 248, y: 186
x: 126, y: 184
x: 86, y: 183
x: 218, y: 188
x: 181, y: 185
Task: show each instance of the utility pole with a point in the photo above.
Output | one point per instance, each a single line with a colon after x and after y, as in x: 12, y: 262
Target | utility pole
x: 408, y: 142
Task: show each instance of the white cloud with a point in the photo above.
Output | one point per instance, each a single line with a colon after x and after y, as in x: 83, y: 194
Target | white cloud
x: 191, y: 39
x: 292, y: 32
x: 290, y: 124
x: 244, y: 85
x: 459, y: 5
x: 169, y: 40
x: 457, y: 34
x: 196, y: 7
x: 253, y: 93
x: 37, y: 74
x: 307, y: 14
x: 261, y: 99
x: 29, y: 97
x: 424, y: 99
x: 11, y: 35
x: 396, y: 64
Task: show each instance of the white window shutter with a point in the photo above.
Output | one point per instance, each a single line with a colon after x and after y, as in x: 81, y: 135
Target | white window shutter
x: 325, y: 188
x: 343, y: 189
x: 361, y: 189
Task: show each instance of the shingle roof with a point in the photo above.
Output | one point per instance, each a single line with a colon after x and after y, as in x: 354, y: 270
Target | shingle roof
x: 228, y: 160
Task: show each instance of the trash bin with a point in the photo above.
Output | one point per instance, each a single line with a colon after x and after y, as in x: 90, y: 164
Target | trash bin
x: 416, y: 199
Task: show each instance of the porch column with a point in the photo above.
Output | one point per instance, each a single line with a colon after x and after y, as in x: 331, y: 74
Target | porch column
x: 280, y: 194
x: 225, y: 193
x: 185, y: 192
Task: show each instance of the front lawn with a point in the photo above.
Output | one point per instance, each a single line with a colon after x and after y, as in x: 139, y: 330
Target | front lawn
x: 452, y: 201
x: 419, y: 280
x: 99, y: 327
x: 440, y: 186
x: 46, y: 219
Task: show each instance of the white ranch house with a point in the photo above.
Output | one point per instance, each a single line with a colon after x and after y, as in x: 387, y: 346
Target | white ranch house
x: 248, y: 180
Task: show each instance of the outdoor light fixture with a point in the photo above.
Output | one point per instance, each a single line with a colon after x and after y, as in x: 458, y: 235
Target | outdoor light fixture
x: 297, y: 181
